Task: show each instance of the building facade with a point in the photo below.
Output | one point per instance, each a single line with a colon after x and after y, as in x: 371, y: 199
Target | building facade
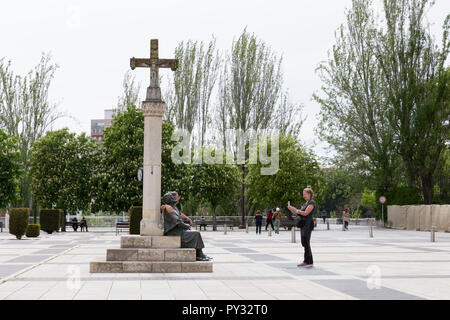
x: 98, y: 126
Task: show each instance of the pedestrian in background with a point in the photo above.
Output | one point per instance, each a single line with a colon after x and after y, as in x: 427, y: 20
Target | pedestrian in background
x: 324, y: 215
x: 345, y: 218
x: 258, y: 221
x: 269, y: 219
x: 277, y: 217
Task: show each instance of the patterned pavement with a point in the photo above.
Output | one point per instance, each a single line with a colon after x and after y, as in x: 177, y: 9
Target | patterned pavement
x: 395, y: 264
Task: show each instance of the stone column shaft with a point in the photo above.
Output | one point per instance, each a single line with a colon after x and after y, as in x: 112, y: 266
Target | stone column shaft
x: 151, y: 224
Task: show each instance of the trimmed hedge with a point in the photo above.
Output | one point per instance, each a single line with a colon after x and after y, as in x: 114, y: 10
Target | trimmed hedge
x: 135, y: 219
x: 33, y: 230
x: 49, y: 220
x: 18, y: 221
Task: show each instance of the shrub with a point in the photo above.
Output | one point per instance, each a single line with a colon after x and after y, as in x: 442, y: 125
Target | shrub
x: 49, y: 220
x: 33, y: 230
x: 18, y: 221
x: 135, y: 219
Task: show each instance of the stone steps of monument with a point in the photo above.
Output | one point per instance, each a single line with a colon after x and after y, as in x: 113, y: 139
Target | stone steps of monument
x: 150, y: 267
x: 151, y: 254
x: 137, y: 241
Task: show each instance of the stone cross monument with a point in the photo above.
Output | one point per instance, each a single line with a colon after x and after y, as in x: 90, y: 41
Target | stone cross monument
x: 153, y: 108
x: 151, y: 251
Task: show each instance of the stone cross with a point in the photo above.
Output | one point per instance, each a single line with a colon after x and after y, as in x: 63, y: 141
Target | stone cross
x: 154, y: 63
x: 153, y: 109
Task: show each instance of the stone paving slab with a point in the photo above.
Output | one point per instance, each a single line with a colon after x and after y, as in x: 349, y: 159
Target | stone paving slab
x: 246, y: 266
x: 359, y: 289
x: 30, y: 258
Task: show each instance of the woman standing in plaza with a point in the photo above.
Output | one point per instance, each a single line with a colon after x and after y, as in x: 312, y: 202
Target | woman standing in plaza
x: 306, y: 214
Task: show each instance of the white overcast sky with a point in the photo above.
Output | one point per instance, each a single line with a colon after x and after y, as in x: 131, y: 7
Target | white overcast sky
x: 92, y: 42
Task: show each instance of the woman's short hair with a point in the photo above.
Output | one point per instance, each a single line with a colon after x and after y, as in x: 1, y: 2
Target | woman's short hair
x: 309, y: 191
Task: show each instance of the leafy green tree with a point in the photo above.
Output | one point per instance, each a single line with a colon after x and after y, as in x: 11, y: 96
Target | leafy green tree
x: 10, y: 169
x: 298, y: 168
x: 214, y: 183
x: 118, y: 187
x: 442, y: 174
x: 130, y: 94
x: 62, y: 166
x: 416, y: 88
x: 121, y: 156
x: 368, y: 199
x: 340, y: 188
x: 251, y: 88
x: 26, y: 112
x: 385, y: 94
x: 353, y: 107
x: 193, y: 82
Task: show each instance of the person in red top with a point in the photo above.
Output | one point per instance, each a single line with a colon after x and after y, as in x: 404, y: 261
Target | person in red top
x: 269, y: 219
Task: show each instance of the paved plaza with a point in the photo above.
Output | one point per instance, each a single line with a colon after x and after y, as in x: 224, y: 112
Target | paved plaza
x: 394, y: 264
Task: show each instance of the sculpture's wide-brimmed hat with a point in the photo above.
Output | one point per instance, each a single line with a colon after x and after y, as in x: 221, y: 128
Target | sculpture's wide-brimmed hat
x: 170, y: 198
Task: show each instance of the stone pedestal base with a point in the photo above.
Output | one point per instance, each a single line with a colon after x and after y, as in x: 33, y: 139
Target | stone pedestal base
x: 150, y: 228
x: 150, y: 254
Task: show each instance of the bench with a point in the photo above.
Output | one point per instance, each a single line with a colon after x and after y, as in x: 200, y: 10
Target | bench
x: 201, y: 223
x: 71, y: 223
x: 121, y: 225
x: 287, y: 224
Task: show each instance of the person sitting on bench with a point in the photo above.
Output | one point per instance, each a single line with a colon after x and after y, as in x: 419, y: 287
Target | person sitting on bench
x: 83, y: 224
x: 174, y: 226
x: 74, y: 224
x: 203, y: 223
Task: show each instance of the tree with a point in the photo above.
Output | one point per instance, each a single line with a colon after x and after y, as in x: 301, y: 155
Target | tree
x: 442, y: 173
x: 416, y: 85
x: 192, y: 86
x: 353, y: 107
x: 122, y: 152
x: 298, y: 168
x: 214, y: 183
x: 62, y: 166
x: 340, y: 188
x: 26, y: 112
x: 130, y: 95
x: 10, y: 169
x: 368, y: 199
x: 386, y: 94
x: 121, y: 156
x: 287, y: 117
x: 254, y: 84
